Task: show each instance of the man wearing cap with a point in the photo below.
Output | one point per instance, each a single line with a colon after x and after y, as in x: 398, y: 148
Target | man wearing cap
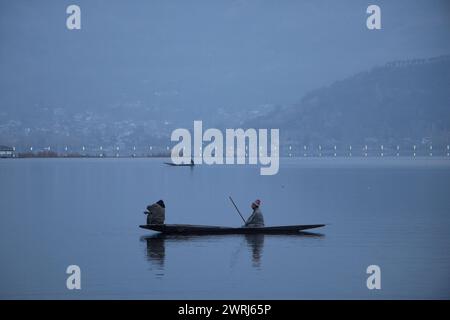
x: 156, y: 213
x: 256, y: 219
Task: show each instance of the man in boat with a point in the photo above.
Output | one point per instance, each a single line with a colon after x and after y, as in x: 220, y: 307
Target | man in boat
x: 156, y: 213
x: 256, y: 219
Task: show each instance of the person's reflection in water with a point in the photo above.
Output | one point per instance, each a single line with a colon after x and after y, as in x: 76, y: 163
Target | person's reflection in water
x: 256, y: 243
x: 156, y: 250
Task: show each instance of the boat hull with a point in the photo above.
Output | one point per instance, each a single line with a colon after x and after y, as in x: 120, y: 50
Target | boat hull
x: 179, y: 165
x: 199, y: 229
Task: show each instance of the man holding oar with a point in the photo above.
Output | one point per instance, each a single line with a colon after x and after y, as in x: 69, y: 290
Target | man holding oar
x: 256, y: 219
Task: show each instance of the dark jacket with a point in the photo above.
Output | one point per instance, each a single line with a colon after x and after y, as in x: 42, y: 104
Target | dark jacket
x: 156, y: 214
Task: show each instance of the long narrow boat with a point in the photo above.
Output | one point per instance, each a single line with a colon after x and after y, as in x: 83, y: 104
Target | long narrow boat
x: 179, y: 165
x: 200, y: 229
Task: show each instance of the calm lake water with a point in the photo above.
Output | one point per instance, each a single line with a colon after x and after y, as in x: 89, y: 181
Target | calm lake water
x: 392, y: 213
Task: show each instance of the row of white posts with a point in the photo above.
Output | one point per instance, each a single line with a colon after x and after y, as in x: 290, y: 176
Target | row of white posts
x: 306, y: 151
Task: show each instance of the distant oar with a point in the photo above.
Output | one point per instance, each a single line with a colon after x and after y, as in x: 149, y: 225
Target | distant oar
x: 234, y: 204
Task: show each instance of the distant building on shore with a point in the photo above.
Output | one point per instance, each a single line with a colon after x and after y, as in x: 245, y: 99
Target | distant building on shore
x: 6, y: 152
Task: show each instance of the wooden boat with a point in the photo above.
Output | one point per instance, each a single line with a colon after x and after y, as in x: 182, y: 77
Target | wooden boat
x: 200, y: 229
x: 179, y: 165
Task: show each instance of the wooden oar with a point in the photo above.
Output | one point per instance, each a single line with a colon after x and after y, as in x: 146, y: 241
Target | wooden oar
x: 237, y: 208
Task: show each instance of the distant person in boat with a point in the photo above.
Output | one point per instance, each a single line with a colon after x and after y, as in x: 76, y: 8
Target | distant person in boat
x: 156, y: 213
x: 256, y: 219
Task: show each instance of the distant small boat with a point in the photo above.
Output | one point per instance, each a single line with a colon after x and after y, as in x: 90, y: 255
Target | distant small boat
x: 200, y: 229
x: 179, y: 165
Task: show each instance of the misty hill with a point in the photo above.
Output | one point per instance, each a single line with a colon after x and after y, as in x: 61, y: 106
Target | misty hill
x: 403, y: 101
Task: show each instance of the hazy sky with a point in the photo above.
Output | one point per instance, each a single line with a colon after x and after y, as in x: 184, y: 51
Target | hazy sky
x: 230, y: 53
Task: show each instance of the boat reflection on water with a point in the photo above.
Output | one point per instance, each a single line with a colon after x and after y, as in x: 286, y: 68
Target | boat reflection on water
x: 255, y: 242
x: 156, y: 244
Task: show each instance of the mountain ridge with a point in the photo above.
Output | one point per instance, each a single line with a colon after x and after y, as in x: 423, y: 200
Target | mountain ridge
x: 405, y: 100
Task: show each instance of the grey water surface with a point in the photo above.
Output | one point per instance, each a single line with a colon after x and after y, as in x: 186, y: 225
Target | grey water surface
x: 394, y: 213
